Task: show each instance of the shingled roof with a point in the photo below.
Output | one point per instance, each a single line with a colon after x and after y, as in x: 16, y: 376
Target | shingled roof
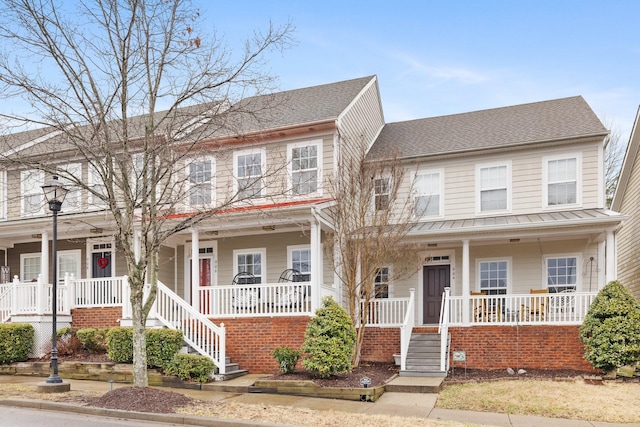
x: 499, y: 127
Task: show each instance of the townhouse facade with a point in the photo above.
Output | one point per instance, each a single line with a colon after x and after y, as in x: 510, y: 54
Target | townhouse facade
x: 514, y: 235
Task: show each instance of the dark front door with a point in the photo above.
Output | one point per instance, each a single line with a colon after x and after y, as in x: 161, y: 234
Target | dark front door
x: 101, y: 264
x: 434, y: 278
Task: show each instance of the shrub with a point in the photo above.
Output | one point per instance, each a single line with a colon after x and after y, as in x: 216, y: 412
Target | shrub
x: 191, y: 367
x: 329, y: 340
x: 67, y: 342
x: 162, y: 345
x: 120, y: 345
x: 611, y: 329
x: 287, y: 358
x: 16, y: 342
x: 94, y: 340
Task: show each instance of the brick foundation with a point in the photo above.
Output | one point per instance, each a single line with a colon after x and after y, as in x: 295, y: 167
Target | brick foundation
x: 380, y: 344
x: 103, y: 317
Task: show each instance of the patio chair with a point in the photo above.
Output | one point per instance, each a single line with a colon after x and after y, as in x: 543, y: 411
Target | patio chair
x: 538, y: 307
x: 563, y: 301
x: 244, y: 299
x: 484, y: 310
x: 288, y: 296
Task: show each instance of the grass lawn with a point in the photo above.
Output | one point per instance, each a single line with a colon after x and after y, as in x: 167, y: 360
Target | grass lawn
x: 612, y: 401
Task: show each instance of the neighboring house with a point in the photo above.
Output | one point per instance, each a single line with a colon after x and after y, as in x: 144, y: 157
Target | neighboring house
x: 512, y: 198
x: 626, y: 201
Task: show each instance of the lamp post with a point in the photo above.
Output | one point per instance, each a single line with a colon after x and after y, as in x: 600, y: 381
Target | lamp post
x: 54, y: 193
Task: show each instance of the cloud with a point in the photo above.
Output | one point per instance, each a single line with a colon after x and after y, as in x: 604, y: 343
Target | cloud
x: 439, y: 72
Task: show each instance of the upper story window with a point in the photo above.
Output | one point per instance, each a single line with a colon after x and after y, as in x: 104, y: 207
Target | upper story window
x: 305, y: 162
x: 493, y: 187
x: 428, y: 194
x: 98, y: 195
x: 249, y: 167
x: 3, y: 194
x: 200, y: 175
x: 381, y: 283
x: 381, y: 193
x: 73, y: 199
x: 494, y: 277
x: 300, y: 259
x: 562, y: 273
x: 562, y: 180
x: 250, y: 261
x: 32, y: 195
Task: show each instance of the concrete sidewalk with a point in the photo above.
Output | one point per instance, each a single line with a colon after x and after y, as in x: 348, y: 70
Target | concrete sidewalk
x: 420, y: 405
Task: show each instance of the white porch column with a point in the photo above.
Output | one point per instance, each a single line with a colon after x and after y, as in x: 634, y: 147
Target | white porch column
x: 316, y: 265
x: 195, y: 267
x: 44, y: 257
x: 601, y: 278
x: 466, y: 288
x: 611, y: 259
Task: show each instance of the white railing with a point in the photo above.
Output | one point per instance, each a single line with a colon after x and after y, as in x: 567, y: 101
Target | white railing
x: 407, y: 329
x: 24, y: 298
x: 521, y: 309
x: 99, y: 292
x: 385, y: 312
x: 259, y: 300
x: 199, y: 332
x: 443, y: 329
x: 5, y: 301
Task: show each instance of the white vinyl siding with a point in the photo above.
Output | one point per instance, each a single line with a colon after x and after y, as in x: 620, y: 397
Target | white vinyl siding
x: 428, y: 194
x: 249, y: 168
x: 3, y: 194
x: 305, y: 160
x: 562, y: 183
x: 493, y: 187
x: 32, y: 195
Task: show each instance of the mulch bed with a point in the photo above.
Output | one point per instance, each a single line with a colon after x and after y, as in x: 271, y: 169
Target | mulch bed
x: 378, y: 373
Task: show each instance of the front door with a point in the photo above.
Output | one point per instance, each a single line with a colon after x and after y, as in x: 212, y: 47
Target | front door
x: 101, y: 264
x: 435, y: 279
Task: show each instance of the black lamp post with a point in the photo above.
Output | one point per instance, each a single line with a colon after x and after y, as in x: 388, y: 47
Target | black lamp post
x: 54, y: 193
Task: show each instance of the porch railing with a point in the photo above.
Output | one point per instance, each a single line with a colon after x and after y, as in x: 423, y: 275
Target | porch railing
x: 385, y: 312
x: 100, y: 292
x: 31, y: 298
x: 258, y: 300
x: 443, y: 330
x: 521, y: 309
x: 406, y: 329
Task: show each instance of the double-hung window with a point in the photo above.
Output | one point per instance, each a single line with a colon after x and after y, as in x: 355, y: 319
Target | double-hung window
x: 98, y: 195
x: 73, y: 199
x: 200, y: 175
x: 494, y: 187
x: 29, y: 267
x: 250, y: 261
x: 381, y: 283
x: 494, y: 276
x: 562, y: 273
x: 32, y: 195
x: 428, y: 194
x: 562, y: 180
x: 381, y: 193
x: 3, y: 194
x: 249, y: 168
x: 300, y: 260
x: 304, y: 162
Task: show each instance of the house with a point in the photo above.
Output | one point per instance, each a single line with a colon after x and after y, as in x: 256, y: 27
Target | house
x: 625, y: 201
x: 515, y: 205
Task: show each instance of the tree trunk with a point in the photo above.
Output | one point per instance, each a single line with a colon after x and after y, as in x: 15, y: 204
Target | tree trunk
x: 140, y: 378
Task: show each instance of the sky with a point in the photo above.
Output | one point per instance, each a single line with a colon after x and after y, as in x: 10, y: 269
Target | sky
x: 435, y: 58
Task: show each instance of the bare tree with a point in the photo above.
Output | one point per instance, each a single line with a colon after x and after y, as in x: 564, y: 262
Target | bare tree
x: 132, y: 88
x: 614, y: 154
x: 372, y: 215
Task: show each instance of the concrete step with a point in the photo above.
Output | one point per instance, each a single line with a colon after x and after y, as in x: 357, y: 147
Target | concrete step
x: 229, y: 375
x: 414, y: 384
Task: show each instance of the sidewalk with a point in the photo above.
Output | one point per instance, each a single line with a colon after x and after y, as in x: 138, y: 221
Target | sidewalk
x: 419, y: 405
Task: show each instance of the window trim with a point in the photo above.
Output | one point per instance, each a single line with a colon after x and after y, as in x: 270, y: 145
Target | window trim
x: 93, y: 201
x: 480, y: 261
x: 545, y: 268
x: 190, y: 185
x: 29, y: 255
x: 376, y: 194
x: 263, y: 167
x: 77, y: 253
x: 388, y: 282
x: 290, y: 250
x: 263, y: 261
x: 319, y: 159
x: 25, y: 176
x: 479, y: 190
x: 545, y: 180
x: 440, y: 173
x: 72, y: 168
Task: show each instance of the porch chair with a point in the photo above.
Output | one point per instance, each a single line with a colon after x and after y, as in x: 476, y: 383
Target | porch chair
x: 563, y: 301
x: 537, y: 310
x: 244, y: 299
x: 288, y: 296
x: 485, y: 312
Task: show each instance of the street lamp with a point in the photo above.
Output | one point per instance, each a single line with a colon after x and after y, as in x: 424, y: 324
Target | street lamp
x: 54, y: 193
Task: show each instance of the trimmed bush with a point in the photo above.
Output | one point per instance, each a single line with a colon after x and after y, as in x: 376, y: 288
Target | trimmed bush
x: 192, y: 367
x: 287, y: 358
x: 329, y: 340
x: 94, y: 340
x: 120, y: 345
x: 611, y: 329
x: 16, y: 342
x: 162, y: 346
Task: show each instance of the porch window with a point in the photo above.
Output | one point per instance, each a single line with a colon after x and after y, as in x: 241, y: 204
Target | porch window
x: 381, y: 283
x: 249, y: 169
x: 32, y: 196
x: 301, y: 261
x: 494, y: 187
x: 381, y: 194
x: 200, y: 175
x: 494, y: 277
x: 305, y: 164
x: 68, y: 262
x: 29, y: 267
x: 562, y: 183
x: 428, y: 193
x: 250, y: 261
x: 562, y: 274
